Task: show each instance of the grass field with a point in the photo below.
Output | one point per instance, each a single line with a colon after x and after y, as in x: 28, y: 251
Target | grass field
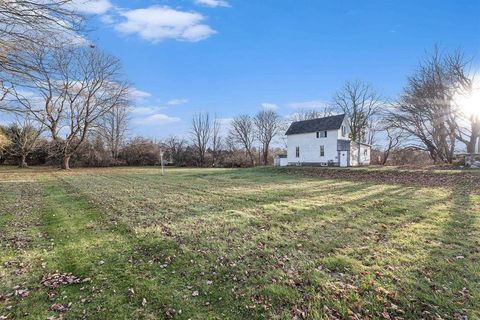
x: 127, y: 243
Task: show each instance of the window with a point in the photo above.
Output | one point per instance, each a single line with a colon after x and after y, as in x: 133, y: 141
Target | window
x: 322, y: 151
x: 297, y: 152
x: 344, y: 131
x: 365, y: 152
x: 321, y: 134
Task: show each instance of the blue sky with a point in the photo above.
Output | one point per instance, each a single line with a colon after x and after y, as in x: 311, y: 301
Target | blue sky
x: 233, y: 56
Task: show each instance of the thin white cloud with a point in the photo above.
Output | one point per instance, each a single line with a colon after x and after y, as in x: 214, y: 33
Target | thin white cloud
x: 176, y: 102
x: 225, y: 121
x: 107, y: 19
x: 314, y: 104
x: 139, y: 94
x: 212, y: 3
x: 269, y: 106
x: 157, y: 118
x: 144, y: 110
x: 157, y: 23
x: 91, y: 6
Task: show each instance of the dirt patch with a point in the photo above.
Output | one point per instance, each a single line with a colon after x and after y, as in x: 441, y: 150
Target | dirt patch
x: 427, y: 178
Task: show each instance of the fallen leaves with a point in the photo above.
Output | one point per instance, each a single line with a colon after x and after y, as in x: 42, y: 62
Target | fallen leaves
x: 58, y: 307
x: 21, y: 292
x: 54, y: 280
x: 422, y: 178
x: 170, y: 312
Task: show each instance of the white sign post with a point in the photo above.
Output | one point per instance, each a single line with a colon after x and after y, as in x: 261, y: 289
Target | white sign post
x: 161, y: 162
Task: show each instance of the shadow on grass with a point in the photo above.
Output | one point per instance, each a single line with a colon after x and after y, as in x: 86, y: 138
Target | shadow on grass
x: 253, y: 235
x: 447, y: 282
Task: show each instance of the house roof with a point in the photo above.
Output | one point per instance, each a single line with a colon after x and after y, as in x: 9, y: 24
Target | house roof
x: 319, y: 124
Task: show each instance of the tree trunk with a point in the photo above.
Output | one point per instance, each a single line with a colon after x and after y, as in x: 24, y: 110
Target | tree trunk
x: 265, y: 156
x: 23, y: 162
x: 252, y: 158
x: 472, y: 144
x: 66, y: 163
x: 386, y: 154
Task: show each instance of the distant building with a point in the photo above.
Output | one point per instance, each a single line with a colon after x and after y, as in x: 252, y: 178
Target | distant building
x: 280, y: 160
x: 325, y: 141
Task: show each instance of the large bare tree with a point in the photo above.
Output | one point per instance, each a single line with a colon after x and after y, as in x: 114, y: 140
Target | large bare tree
x: 268, y: 125
x: 201, y: 135
x: 69, y: 89
x: 427, y: 110
x: 460, y: 69
x: 360, y: 102
x: 242, y: 131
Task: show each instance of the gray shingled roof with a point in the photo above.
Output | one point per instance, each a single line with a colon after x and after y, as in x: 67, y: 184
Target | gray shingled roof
x: 314, y: 125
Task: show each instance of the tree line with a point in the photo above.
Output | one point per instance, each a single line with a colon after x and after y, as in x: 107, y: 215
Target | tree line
x: 70, y: 102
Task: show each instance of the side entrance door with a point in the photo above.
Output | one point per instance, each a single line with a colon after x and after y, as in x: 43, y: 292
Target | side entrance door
x: 343, y: 158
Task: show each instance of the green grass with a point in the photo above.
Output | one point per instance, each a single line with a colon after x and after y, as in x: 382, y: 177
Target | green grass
x: 253, y: 243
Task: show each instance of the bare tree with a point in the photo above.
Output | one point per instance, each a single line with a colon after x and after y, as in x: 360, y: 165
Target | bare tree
x: 175, y: 148
x: 268, y: 125
x: 23, y: 136
x: 35, y: 20
x: 392, y: 138
x: 468, y: 129
x: 308, y: 114
x: 216, y: 139
x: 113, y: 126
x: 427, y: 111
x: 243, y: 132
x: 360, y: 102
x: 201, y: 135
x: 71, y: 88
x: 24, y: 23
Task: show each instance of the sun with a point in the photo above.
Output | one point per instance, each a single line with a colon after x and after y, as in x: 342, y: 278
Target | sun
x: 469, y: 102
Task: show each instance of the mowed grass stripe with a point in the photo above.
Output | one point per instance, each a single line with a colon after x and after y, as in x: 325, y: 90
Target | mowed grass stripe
x: 254, y: 244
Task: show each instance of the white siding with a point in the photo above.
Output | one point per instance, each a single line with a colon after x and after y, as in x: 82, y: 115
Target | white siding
x: 364, y: 154
x: 282, y: 162
x: 309, y: 146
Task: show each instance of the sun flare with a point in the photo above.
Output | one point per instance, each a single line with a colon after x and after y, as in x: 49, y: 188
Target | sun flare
x: 469, y: 102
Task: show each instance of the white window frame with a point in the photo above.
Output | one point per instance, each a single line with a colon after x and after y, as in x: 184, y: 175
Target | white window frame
x: 297, y: 152
x: 322, y: 151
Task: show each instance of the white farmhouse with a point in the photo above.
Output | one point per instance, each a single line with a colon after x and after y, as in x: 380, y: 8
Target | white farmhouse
x: 324, y: 141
